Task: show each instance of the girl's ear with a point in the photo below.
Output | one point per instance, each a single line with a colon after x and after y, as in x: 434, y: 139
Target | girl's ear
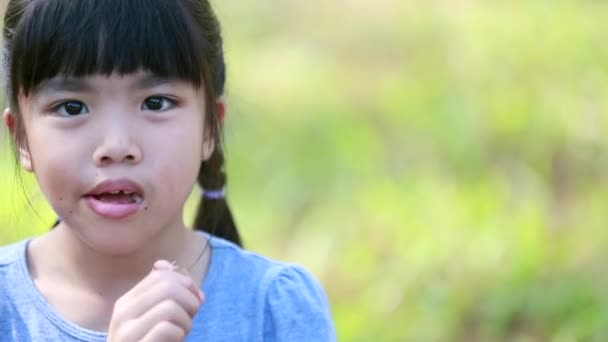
x: 208, y: 147
x: 220, y: 108
x: 9, y: 120
x: 209, y: 142
x: 24, y: 154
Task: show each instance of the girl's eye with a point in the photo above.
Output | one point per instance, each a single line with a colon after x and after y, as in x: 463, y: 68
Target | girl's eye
x: 157, y: 103
x: 72, y: 108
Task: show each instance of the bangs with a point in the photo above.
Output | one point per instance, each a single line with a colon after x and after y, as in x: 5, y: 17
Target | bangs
x: 85, y: 37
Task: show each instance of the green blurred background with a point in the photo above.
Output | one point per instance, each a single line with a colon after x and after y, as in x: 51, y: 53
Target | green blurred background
x: 439, y: 166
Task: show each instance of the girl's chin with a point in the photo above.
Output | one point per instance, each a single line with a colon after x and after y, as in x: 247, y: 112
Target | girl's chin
x: 118, y: 237
x: 114, y: 240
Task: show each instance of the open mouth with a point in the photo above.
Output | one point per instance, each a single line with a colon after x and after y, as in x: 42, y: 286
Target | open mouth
x: 115, y: 204
x: 116, y: 198
x: 119, y: 197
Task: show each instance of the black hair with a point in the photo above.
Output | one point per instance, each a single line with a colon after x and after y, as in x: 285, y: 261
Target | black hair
x: 170, y: 38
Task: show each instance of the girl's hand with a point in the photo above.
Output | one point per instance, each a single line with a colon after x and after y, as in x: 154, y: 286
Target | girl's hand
x: 159, y: 308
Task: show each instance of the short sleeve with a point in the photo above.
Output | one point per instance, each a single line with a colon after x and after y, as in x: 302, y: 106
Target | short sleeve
x: 297, y: 309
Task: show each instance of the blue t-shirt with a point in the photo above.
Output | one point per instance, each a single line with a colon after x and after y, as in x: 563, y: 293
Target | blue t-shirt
x: 247, y: 298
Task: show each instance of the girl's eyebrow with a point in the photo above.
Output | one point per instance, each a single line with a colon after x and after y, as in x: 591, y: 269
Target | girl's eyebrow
x: 149, y: 80
x: 63, y: 84
x: 75, y: 84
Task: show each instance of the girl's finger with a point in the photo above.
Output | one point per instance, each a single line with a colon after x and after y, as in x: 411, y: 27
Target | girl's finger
x: 165, y: 332
x: 166, y: 311
x: 156, y: 276
x: 162, y: 291
x: 164, y: 265
x: 165, y: 268
x: 168, y: 266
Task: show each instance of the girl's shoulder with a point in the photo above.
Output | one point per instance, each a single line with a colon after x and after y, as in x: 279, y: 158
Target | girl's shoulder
x: 12, y: 260
x: 244, y: 266
x: 10, y: 254
x: 281, y: 300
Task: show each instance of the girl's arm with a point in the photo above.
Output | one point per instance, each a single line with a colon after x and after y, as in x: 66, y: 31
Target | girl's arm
x: 297, y: 309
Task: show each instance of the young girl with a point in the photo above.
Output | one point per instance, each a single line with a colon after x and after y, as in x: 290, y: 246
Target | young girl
x: 116, y: 106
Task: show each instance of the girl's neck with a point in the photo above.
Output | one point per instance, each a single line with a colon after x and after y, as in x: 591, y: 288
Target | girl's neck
x: 70, y: 275
x: 109, y: 276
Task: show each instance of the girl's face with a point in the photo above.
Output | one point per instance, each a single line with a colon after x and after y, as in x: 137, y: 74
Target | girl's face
x: 90, y: 137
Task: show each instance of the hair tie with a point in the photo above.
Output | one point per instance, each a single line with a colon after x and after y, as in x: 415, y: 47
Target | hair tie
x: 214, y: 194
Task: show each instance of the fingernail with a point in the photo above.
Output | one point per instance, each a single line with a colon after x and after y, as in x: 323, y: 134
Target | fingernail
x: 201, y: 296
x: 162, y: 265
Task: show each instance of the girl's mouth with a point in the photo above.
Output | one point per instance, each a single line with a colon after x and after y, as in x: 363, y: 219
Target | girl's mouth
x: 115, y: 206
x: 115, y: 199
x: 119, y: 197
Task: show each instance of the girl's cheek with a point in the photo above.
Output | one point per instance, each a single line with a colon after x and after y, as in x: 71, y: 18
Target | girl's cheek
x: 57, y: 185
x: 58, y: 173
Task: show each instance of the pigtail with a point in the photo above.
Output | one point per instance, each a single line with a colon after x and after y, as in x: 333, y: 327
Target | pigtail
x: 213, y: 215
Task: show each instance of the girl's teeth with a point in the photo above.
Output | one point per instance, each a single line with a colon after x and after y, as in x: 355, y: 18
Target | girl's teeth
x: 118, y: 192
x: 136, y: 198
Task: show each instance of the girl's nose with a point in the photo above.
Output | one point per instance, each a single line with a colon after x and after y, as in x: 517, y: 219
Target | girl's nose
x: 115, y: 150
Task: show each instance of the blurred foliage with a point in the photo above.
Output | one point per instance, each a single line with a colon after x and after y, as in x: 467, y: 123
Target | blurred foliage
x: 440, y: 166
